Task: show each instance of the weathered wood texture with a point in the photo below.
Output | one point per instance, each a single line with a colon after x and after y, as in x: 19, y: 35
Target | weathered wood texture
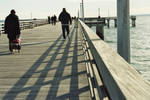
x: 96, y: 84
x: 48, y: 67
x: 122, y: 81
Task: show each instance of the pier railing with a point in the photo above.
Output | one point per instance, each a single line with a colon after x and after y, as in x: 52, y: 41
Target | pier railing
x: 27, y: 24
x: 110, y: 72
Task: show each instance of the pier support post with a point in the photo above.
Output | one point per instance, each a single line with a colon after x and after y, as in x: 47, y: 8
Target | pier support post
x: 100, y: 31
x: 123, y: 33
x: 133, y: 21
x: 115, y: 22
x: 108, y: 20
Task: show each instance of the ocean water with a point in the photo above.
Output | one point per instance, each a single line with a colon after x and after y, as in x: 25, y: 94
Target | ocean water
x: 139, y: 42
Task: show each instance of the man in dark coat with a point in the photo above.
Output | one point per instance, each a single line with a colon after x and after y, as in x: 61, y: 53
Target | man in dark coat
x: 65, y: 19
x: 49, y: 19
x: 55, y: 19
x: 12, y: 27
x: 52, y: 19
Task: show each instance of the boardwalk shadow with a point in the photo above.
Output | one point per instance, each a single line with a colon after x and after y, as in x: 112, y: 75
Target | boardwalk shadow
x: 74, y: 92
x: 19, y: 86
x: 38, y: 43
x: 54, y: 84
x: 4, y: 53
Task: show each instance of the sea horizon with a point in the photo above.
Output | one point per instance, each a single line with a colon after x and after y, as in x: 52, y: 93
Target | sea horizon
x: 85, y: 16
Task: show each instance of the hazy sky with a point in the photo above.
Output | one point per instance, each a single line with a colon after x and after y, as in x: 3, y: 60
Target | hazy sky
x: 43, y: 8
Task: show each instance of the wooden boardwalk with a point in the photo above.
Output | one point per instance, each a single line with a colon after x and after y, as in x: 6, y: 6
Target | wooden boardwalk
x: 48, y: 67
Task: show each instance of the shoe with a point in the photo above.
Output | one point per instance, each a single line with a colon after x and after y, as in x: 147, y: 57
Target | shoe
x: 11, y: 52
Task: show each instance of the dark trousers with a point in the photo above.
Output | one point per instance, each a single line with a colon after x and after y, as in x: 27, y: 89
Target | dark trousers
x: 65, y: 28
x: 10, y: 45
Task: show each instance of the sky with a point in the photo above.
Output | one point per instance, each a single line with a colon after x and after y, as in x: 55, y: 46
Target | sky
x: 27, y: 9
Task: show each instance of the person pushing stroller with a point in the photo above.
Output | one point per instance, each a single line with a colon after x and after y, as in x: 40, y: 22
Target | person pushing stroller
x: 12, y: 29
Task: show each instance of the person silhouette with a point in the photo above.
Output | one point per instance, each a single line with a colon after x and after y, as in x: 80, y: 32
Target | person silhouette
x: 12, y: 28
x: 52, y: 20
x: 55, y: 19
x: 65, y: 20
x: 49, y: 19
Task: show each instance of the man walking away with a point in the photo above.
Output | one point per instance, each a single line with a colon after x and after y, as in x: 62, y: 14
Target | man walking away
x: 49, y: 19
x: 65, y: 18
x: 52, y: 18
x: 55, y: 19
x: 12, y: 27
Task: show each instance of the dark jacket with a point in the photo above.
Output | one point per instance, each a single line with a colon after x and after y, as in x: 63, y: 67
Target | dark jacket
x: 12, y: 26
x: 55, y: 18
x: 65, y: 18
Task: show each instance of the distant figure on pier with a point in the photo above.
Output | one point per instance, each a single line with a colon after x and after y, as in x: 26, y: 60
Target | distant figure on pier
x: 54, y: 19
x: 49, y: 19
x: 65, y: 19
x: 12, y: 28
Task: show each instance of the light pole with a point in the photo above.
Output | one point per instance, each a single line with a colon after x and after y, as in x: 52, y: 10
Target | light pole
x: 81, y: 14
x: 78, y: 13
x: 31, y: 15
x: 98, y: 12
x: 82, y: 10
x: 108, y: 12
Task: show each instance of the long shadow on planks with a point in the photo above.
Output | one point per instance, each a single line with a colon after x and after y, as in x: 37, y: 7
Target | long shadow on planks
x: 19, y: 86
x: 5, y: 53
x: 54, y: 84
x: 74, y: 91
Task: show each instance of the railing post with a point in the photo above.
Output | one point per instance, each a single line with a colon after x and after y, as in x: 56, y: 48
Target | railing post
x: 123, y: 33
x: 100, y: 31
x: 108, y: 20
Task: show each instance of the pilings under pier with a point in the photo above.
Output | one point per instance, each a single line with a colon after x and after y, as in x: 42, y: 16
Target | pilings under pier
x: 133, y: 22
x: 133, y: 18
x: 99, y: 27
x: 108, y: 19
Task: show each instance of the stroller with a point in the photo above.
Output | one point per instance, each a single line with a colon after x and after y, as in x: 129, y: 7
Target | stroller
x: 16, y: 45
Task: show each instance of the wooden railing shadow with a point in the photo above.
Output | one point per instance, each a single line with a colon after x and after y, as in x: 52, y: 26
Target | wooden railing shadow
x: 19, y: 86
x: 74, y: 92
x: 4, y: 53
x: 37, y: 43
x: 74, y: 88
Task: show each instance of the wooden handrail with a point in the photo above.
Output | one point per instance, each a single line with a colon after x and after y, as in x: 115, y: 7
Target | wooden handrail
x: 28, y: 24
x: 121, y: 80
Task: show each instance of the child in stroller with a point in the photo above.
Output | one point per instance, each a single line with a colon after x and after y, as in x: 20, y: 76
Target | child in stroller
x: 16, y: 45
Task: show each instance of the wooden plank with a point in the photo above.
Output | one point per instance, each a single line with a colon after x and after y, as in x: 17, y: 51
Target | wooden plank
x: 48, y: 67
